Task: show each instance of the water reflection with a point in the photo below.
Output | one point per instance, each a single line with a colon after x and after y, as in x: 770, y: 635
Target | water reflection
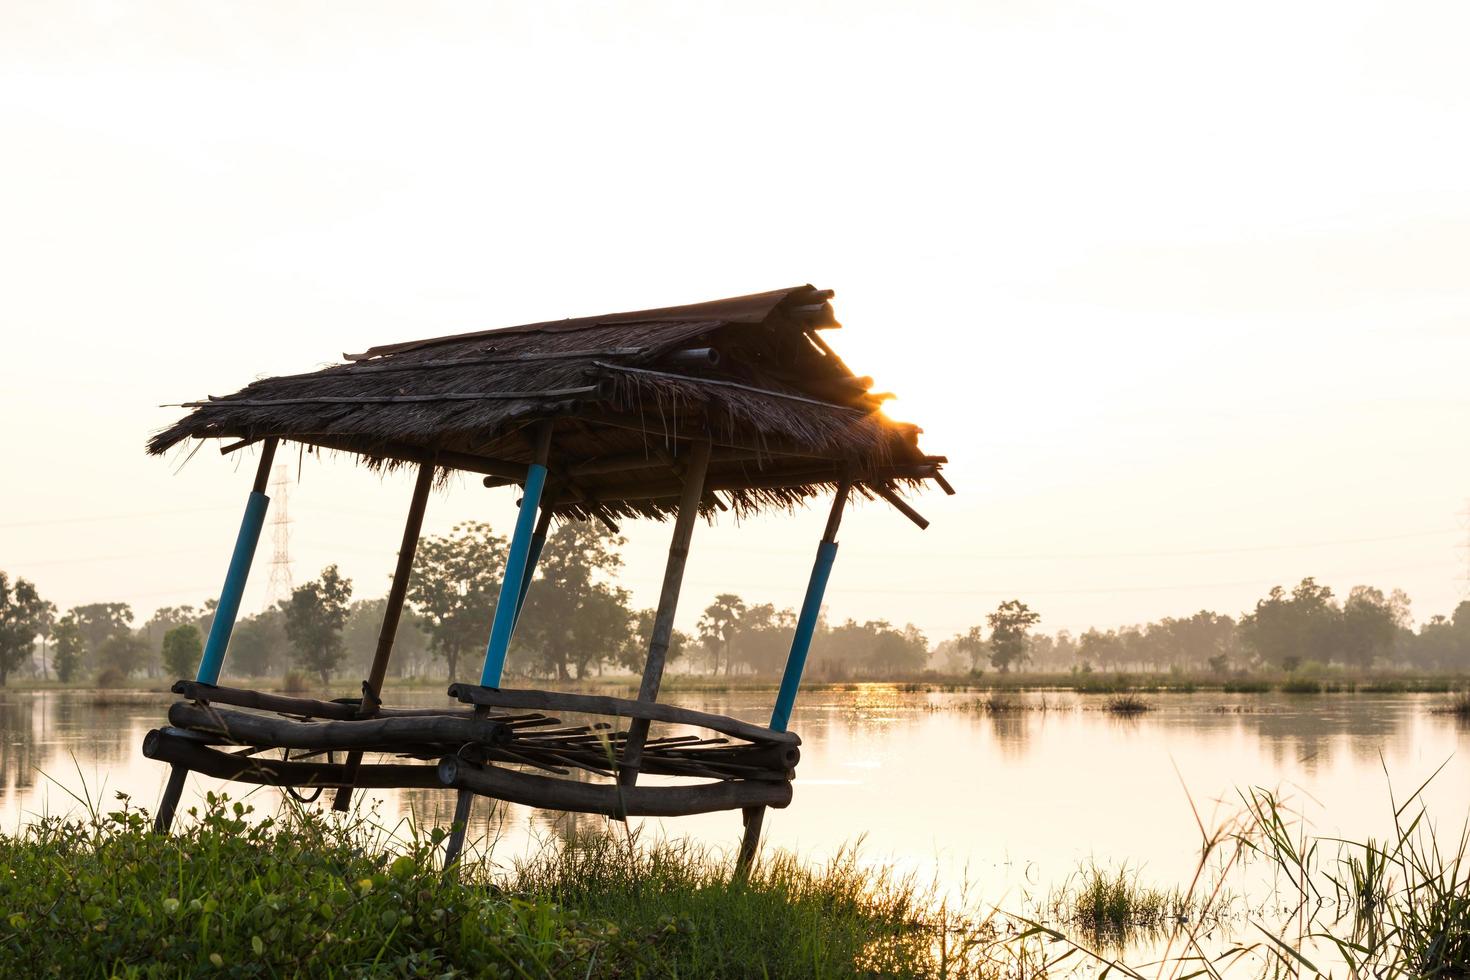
x: 935, y: 783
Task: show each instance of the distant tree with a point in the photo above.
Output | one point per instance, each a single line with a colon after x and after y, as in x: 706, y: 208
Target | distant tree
x: 99, y: 621
x: 70, y: 650
x: 20, y: 615
x: 1370, y: 624
x: 574, y: 618
x: 315, y: 614
x: 898, y: 652
x: 718, y: 625
x: 165, y: 618
x: 1009, y: 625
x: 634, y: 651
x: 182, y: 648
x: 45, y: 624
x: 971, y: 643
x: 256, y: 644
x: 763, y: 638
x: 454, y: 589
x: 360, y: 636
x: 1286, y: 629
x: 122, y: 654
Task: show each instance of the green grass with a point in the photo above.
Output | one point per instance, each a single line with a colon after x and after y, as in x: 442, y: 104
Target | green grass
x: 1113, y: 903
x: 1126, y: 704
x: 302, y: 894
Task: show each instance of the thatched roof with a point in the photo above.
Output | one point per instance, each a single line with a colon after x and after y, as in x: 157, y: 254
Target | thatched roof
x: 625, y: 394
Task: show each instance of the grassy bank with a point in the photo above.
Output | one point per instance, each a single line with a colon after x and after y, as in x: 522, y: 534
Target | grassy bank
x: 306, y: 894
x: 298, y: 894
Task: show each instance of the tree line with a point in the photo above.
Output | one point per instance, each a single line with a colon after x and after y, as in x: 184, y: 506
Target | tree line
x: 1287, y: 630
x: 576, y: 622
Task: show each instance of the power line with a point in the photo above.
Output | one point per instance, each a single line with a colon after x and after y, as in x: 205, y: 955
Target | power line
x: 97, y: 519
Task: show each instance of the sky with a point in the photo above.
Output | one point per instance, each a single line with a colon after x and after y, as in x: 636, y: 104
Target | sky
x: 1179, y: 288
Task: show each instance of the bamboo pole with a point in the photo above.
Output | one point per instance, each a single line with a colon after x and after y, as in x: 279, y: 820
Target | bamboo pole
x: 801, y: 642
x: 507, y: 607
x: 372, y: 690
x: 231, y: 592
x: 668, y: 602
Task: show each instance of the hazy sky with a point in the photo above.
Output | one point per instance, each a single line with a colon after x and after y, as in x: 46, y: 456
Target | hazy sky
x: 1180, y: 288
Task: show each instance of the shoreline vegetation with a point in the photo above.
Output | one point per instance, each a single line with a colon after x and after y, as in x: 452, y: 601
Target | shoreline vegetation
x: 304, y: 892
x: 1303, y: 681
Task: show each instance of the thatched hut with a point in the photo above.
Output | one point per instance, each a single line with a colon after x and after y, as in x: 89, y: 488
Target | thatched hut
x: 737, y: 404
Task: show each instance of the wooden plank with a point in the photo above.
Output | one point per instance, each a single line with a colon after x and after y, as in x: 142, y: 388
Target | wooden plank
x: 598, y: 704
x: 264, y: 701
x: 190, y: 755
x: 244, y: 728
x: 611, y: 799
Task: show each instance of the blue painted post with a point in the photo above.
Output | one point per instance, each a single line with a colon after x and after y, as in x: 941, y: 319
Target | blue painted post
x: 234, y: 589
x: 801, y: 644
x: 508, y: 605
x: 225, y: 613
x: 811, y: 609
x: 519, y: 564
x: 538, y: 542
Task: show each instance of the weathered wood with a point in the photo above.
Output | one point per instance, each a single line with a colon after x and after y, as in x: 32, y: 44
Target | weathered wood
x: 384, y: 734
x: 392, y: 613
x: 312, y: 708
x: 265, y: 701
x: 165, y: 747
x: 668, y: 603
x: 610, y: 799
x: 598, y: 704
x: 899, y: 504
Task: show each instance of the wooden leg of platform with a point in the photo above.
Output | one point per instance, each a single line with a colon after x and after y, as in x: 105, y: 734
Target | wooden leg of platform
x: 668, y: 602
x: 755, y: 818
x: 452, y: 848
x: 163, y: 820
x: 373, y: 689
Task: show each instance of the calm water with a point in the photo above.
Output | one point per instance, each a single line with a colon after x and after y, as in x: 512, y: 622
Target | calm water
x: 1004, y: 806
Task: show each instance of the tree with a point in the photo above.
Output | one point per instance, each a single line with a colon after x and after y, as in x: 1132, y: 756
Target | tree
x: 455, y: 583
x: 45, y: 624
x: 574, y: 618
x: 1371, y: 623
x: 182, y: 648
x: 21, y: 609
x: 718, y: 625
x: 1284, y: 629
x: 1008, y: 627
x: 972, y: 644
x: 100, y: 620
x: 254, y: 643
x: 122, y: 655
x: 315, y: 614
x: 70, y: 648
x: 634, y: 652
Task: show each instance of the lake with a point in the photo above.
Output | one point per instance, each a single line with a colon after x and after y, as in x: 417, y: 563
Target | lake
x: 996, y: 807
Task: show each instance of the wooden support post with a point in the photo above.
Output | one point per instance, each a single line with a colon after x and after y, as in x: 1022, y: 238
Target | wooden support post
x: 372, y: 690
x: 224, y: 615
x: 507, y: 607
x: 801, y: 643
x: 668, y: 602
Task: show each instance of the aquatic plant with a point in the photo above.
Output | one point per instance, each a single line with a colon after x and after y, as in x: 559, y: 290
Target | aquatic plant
x: 1126, y: 704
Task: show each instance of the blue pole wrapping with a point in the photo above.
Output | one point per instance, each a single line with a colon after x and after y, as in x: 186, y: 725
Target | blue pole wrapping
x: 801, y: 643
x: 234, y: 589
x: 508, y: 604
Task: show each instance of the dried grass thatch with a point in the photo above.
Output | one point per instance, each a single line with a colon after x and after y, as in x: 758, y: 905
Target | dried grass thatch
x: 625, y: 393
